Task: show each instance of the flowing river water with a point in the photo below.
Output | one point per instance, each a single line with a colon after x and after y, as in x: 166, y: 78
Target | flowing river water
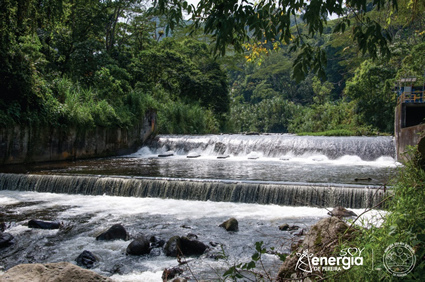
x: 263, y: 182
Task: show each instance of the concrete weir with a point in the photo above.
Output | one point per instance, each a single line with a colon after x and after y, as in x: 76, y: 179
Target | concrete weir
x: 288, y: 194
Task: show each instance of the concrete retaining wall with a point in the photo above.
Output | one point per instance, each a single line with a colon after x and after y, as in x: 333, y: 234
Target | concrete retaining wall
x: 24, y: 144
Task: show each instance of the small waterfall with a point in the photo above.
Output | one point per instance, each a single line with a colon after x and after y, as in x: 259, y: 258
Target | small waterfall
x: 199, y: 190
x: 274, y: 145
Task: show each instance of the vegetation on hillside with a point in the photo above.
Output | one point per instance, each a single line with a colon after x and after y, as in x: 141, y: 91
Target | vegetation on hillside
x: 104, y: 63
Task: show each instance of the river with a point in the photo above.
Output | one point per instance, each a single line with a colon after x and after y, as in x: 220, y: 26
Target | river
x: 177, y: 195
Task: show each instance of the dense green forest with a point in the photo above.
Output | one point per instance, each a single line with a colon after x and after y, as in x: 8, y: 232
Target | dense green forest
x: 104, y: 63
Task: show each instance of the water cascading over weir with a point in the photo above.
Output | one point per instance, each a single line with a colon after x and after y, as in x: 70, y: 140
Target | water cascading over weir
x: 243, y: 190
x: 228, y: 191
x: 366, y: 148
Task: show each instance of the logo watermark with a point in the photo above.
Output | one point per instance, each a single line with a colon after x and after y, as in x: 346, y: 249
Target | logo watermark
x: 347, y: 258
x: 399, y: 259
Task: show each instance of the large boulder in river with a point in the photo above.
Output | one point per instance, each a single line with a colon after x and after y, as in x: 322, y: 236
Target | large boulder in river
x: 116, y: 232
x: 286, y: 227
x: 33, y: 223
x: 61, y: 271
x: 230, y: 224
x: 178, y: 246
x: 140, y: 246
x: 341, y: 212
x: 86, y: 259
x: 6, y: 240
x: 320, y: 241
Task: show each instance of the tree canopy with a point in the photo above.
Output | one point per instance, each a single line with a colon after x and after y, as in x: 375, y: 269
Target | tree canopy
x: 104, y: 63
x: 233, y: 22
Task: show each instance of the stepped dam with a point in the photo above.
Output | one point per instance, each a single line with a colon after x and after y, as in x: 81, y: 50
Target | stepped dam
x: 287, y: 194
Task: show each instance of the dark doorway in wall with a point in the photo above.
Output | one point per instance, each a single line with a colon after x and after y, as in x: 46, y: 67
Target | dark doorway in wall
x: 414, y: 114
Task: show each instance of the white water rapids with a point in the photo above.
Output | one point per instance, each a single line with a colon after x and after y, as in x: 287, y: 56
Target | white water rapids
x: 87, y: 216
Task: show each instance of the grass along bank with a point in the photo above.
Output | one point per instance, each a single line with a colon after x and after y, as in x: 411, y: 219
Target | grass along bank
x: 404, y: 223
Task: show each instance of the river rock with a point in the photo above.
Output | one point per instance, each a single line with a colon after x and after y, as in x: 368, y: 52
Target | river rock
x: 321, y: 240
x: 193, y: 155
x: 192, y: 236
x: 166, y: 154
x: 140, y: 246
x: 170, y: 273
x: 156, y: 242
x: 177, y: 246
x: 225, y: 156
x: 363, y: 179
x: 86, y: 259
x: 293, y: 227
x: 179, y: 279
x: 341, y: 212
x: 33, y: 223
x: 116, y: 232
x: 299, y: 233
x: 61, y: 271
x: 6, y: 240
x: 230, y: 225
x: 286, y: 227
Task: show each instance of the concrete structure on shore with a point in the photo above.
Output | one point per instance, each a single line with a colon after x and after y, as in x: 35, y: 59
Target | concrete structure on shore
x: 409, y: 124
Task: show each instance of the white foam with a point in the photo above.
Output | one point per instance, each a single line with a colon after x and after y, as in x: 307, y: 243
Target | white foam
x: 268, y: 148
x: 144, y: 152
x: 103, y: 206
x: 8, y: 201
x: 106, y: 210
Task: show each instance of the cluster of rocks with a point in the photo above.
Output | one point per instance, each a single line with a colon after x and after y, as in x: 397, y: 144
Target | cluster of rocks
x: 176, y: 246
x: 328, y: 230
x: 7, y: 239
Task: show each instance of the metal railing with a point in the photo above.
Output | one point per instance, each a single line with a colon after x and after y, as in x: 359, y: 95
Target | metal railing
x: 411, y: 97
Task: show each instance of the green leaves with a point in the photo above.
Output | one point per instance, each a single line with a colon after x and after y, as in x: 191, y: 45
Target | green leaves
x: 371, y: 39
x: 309, y: 59
x: 342, y: 25
x: 232, y: 23
x: 249, y: 269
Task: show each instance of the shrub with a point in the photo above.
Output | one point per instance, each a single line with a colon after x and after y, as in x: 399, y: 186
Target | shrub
x: 404, y: 222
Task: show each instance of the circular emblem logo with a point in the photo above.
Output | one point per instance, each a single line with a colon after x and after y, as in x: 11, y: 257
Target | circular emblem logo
x: 399, y: 259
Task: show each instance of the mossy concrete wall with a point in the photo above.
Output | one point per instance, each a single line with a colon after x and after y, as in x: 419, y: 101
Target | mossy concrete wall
x: 25, y: 144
